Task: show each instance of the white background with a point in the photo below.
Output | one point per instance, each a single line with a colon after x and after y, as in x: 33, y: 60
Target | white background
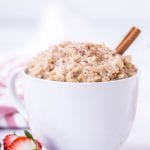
x: 27, y: 26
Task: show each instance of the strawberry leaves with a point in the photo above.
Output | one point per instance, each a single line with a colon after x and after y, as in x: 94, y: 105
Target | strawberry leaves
x: 30, y: 136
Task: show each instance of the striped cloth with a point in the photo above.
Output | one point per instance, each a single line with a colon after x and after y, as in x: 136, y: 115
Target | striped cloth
x: 9, y: 116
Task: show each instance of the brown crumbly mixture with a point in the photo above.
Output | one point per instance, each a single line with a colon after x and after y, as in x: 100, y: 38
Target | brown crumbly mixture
x: 81, y: 62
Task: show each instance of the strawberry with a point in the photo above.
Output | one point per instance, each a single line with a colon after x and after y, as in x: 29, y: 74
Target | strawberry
x: 24, y: 143
x: 14, y: 142
x: 8, y: 140
x: 38, y: 144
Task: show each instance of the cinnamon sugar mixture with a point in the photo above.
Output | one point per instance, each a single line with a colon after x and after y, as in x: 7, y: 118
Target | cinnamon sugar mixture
x: 80, y: 62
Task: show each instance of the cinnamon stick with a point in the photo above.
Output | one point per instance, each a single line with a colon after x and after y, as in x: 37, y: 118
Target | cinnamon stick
x: 128, y: 40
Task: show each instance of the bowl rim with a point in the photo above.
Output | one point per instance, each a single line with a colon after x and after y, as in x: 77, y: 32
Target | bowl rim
x: 83, y: 83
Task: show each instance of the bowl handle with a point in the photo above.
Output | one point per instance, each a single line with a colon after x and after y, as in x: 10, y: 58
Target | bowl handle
x: 12, y: 90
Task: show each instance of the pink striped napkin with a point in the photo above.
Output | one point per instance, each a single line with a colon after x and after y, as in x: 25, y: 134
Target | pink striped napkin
x: 9, y: 116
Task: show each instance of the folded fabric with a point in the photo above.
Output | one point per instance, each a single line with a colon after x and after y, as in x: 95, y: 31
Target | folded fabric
x: 9, y: 116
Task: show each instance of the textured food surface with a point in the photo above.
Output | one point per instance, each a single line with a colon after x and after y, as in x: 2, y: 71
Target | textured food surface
x: 80, y: 62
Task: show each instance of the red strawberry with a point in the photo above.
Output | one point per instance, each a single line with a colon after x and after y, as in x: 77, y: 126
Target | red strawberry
x: 23, y: 143
x: 8, y: 140
x: 38, y: 144
x: 13, y: 142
